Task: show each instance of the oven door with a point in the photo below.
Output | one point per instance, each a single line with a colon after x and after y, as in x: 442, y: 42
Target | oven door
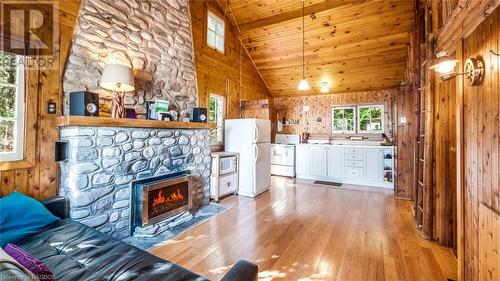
x: 227, y: 165
x: 283, y: 155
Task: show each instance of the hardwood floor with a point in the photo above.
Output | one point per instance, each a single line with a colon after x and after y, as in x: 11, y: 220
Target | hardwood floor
x: 303, y: 231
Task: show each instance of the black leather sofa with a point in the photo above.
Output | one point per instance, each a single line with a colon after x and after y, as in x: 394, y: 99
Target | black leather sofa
x: 74, y: 251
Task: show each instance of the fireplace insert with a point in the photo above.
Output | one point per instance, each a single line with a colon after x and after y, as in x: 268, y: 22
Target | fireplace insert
x: 158, y: 199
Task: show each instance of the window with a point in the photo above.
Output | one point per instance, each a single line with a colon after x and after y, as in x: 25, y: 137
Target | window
x: 215, y: 32
x: 11, y: 107
x: 371, y: 119
x: 343, y: 120
x: 216, y: 116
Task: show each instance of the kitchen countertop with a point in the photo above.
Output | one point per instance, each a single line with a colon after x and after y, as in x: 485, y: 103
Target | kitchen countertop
x: 347, y: 145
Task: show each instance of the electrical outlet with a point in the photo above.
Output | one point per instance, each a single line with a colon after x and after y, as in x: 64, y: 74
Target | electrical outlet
x: 51, y: 107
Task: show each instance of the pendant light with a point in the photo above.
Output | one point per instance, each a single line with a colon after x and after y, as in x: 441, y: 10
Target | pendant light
x: 325, y: 89
x: 303, y: 84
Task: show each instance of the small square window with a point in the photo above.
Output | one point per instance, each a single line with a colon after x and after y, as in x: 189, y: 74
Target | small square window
x: 215, y: 32
x: 343, y: 119
x: 371, y: 119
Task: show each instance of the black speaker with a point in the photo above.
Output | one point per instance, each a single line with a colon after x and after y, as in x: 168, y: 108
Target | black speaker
x: 200, y: 115
x: 84, y: 103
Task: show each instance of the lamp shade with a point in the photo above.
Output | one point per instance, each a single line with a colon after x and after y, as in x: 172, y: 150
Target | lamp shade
x: 118, y: 78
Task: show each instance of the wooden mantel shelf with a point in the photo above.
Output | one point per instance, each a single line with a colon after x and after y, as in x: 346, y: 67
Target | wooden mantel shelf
x: 66, y: 121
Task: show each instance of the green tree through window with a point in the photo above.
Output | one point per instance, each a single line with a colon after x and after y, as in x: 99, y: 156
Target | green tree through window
x: 11, y: 106
x: 216, y: 116
x: 371, y: 119
x: 343, y: 120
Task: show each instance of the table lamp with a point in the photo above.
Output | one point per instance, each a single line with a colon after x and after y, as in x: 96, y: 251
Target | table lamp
x: 118, y: 78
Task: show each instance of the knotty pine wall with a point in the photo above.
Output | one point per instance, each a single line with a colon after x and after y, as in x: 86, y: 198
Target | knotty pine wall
x: 219, y: 73
x: 319, y: 115
x: 407, y: 100
x: 481, y: 132
x: 445, y: 161
x: 40, y: 179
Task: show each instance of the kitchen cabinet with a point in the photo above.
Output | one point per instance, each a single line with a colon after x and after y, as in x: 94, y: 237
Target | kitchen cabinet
x: 335, y: 157
x: 318, y: 161
x: 374, y: 164
x: 303, y: 161
x: 363, y: 165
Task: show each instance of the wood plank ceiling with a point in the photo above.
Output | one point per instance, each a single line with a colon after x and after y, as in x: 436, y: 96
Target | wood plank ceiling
x: 351, y: 44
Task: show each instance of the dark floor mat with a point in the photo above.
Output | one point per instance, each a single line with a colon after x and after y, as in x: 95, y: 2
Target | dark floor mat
x: 328, y: 183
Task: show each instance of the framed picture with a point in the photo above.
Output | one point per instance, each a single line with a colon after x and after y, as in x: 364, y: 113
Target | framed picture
x: 150, y: 110
x: 161, y: 106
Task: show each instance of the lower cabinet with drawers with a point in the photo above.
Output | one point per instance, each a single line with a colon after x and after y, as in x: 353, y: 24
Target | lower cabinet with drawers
x: 363, y: 165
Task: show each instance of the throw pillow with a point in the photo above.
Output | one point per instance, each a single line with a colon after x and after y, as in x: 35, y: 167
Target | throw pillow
x: 22, y: 216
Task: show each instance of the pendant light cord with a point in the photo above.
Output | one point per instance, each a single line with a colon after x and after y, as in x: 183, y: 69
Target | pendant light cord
x: 303, y: 41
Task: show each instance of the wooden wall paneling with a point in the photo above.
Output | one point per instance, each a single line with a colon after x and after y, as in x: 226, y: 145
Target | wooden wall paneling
x: 255, y: 109
x: 39, y: 179
x: 7, y: 182
x: 489, y: 244
x: 231, y: 74
x: 467, y: 15
x: 481, y: 142
x: 406, y: 141
x: 445, y: 163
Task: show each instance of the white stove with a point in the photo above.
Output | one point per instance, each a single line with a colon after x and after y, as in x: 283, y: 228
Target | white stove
x: 283, y: 155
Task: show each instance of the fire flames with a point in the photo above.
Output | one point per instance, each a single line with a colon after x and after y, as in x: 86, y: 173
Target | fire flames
x: 160, y: 199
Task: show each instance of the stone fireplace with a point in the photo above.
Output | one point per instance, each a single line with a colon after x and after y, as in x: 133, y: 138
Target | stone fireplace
x: 105, y: 163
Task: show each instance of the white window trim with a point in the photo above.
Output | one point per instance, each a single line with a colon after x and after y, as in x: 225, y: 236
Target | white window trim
x: 221, y: 142
x: 18, y: 153
x: 353, y: 131
x: 382, y: 108
x: 223, y: 35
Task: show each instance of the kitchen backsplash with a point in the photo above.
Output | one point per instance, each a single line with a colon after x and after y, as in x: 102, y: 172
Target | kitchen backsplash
x: 320, y: 111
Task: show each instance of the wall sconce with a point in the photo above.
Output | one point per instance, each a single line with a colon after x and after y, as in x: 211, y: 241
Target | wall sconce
x: 325, y: 89
x: 473, y: 69
x: 445, y: 66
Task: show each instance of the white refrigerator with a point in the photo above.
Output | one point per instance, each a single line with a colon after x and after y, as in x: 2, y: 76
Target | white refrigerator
x: 252, y: 139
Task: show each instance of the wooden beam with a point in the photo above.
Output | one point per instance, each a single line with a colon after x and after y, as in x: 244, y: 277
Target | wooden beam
x: 459, y: 111
x: 282, y: 17
x: 467, y: 16
x: 428, y: 194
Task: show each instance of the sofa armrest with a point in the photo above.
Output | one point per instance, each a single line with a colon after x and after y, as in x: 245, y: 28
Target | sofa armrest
x: 242, y: 271
x: 58, y: 206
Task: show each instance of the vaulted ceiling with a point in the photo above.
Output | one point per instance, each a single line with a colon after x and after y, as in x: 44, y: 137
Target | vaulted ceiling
x: 352, y: 45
